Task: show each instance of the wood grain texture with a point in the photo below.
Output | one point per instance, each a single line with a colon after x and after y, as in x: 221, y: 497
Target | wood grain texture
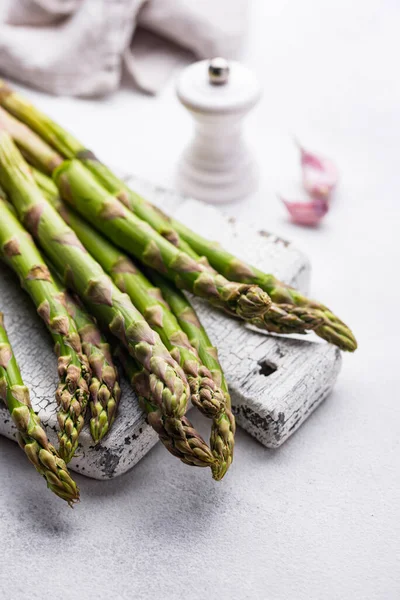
x: 275, y: 382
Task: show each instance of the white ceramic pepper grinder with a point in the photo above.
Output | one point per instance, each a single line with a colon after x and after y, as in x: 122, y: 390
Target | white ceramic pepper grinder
x: 217, y: 166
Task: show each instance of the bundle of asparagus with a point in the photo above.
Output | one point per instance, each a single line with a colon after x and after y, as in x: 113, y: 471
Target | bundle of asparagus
x: 206, y: 394
x: 19, y: 251
x: 162, y: 346
x: 289, y: 312
x: 162, y: 381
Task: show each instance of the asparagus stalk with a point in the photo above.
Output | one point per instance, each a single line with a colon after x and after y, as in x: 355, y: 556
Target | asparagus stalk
x: 181, y: 440
x: 105, y: 392
x: 279, y: 318
x: 321, y: 319
x: 133, y: 201
x: 39, y: 122
x: 82, y: 191
x: 291, y: 311
x: 31, y: 435
x: 196, y: 333
x: 223, y: 428
x: 162, y: 379
x: 206, y: 395
x: 31, y: 145
x: 21, y: 254
x: 69, y: 147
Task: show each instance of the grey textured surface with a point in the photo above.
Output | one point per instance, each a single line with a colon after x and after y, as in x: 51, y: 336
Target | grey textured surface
x: 270, y: 407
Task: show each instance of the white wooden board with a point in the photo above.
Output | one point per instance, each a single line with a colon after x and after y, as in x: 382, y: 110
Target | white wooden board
x: 275, y: 382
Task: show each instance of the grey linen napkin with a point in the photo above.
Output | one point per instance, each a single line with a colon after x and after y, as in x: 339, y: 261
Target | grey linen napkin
x: 80, y: 47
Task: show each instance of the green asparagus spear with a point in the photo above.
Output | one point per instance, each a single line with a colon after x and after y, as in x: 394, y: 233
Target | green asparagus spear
x: 31, y: 145
x: 223, y: 429
x: 205, y: 394
x: 322, y: 320
x: 162, y: 378
x: 21, y: 254
x: 182, y: 440
x: 31, y: 435
x: 105, y: 392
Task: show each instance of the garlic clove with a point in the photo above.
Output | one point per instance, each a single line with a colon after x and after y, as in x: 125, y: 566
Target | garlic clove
x: 306, y: 213
x: 320, y: 174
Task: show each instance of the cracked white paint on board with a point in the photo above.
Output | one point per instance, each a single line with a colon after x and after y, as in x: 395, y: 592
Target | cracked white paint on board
x: 275, y: 382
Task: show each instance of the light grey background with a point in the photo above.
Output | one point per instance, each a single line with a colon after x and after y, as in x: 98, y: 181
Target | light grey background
x: 319, y: 518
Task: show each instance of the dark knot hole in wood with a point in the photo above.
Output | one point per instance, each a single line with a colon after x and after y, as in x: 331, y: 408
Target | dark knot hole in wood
x: 267, y: 368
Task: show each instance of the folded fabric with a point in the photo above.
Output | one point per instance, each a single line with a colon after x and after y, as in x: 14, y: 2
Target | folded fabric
x: 80, y: 47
